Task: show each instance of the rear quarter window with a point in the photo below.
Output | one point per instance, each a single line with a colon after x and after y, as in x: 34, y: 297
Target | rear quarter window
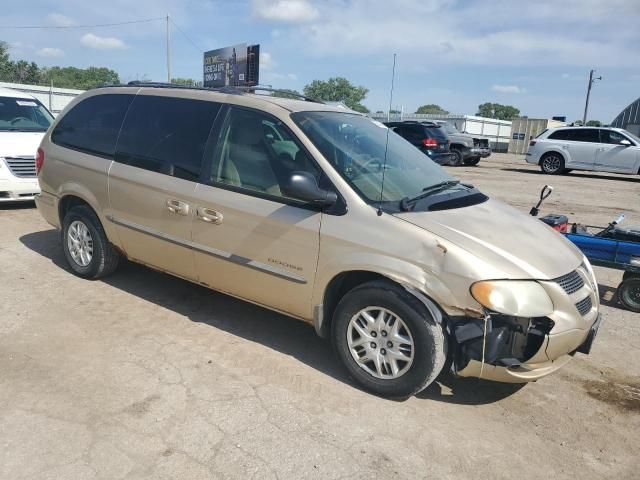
x: 92, y: 126
x: 558, y: 135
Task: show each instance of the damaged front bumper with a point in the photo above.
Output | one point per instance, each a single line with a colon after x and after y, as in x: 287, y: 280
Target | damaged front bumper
x: 513, y: 349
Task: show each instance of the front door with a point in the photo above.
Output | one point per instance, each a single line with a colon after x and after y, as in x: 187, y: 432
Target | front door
x: 249, y: 239
x: 153, y: 179
x: 612, y: 156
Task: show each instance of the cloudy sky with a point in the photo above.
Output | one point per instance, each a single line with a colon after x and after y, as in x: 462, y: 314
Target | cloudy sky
x: 458, y: 54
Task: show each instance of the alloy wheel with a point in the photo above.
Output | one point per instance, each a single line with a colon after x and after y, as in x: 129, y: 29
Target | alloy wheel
x: 80, y: 243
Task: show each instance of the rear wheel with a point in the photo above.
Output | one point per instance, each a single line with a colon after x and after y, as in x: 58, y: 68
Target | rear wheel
x: 456, y: 157
x: 387, y: 340
x: 85, y: 244
x: 552, y: 163
x: 472, y: 161
x: 629, y: 293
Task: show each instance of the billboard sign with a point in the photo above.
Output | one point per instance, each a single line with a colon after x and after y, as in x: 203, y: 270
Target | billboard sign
x: 231, y: 66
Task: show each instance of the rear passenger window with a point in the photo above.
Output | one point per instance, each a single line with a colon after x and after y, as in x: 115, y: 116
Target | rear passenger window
x: 92, y: 126
x: 584, y: 135
x: 559, y: 135
x: 166, y: 135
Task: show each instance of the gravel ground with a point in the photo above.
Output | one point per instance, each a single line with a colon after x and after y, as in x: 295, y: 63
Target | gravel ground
x: 144, y: 375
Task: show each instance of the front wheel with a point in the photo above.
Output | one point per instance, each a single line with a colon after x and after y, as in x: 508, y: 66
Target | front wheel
x: 456, y: 157
x: 387, y: 340
x: 629, y: 293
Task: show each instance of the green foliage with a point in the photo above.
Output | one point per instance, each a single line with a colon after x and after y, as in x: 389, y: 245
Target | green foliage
x: 189, y: 82
x: 394, y: 112
x: 497, y: 110
x: 338, y: 90
x: 594, y: 123
x: 432, y: 108
x: 286, y: 93
x: 578, y: 123
x: 21, y: 71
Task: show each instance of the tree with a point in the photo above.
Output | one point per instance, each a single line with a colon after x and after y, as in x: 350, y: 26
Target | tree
x: 594, y: 123
x: 394, y: 112
x: 6, y: 65
x: 497, y: 110
x: 338, y: 89
x: 577, y: 123
x: 286, y: 93
x: 432, y: 108
x: 189, y: 82
x: 80, y: 78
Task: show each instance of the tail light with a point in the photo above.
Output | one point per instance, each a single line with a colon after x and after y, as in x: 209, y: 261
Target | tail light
x: 532, y: 143
x: 430, y: 142
x: 39, y: 160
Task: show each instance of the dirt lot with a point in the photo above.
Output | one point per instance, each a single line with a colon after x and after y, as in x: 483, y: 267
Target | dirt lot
x: 147, y: 376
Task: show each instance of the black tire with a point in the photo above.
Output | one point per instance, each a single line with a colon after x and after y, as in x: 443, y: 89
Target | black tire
x: 566, y: 171
x: 552, y: 163
x: 429, y: 342
x: 456, y: 157
x: 104, y: 259
x: 472, y: 161
x: 629, y: 293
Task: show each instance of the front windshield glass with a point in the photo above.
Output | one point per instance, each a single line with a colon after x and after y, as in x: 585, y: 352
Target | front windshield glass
x: 355, y: 146
x: 449, y: 128
x: 23, y: 115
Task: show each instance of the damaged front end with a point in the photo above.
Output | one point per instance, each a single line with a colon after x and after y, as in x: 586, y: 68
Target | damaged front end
x: 497, y: 340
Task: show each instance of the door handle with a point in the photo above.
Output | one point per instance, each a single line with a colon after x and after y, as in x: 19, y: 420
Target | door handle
x: 209, y: 216
x: 178, y: 207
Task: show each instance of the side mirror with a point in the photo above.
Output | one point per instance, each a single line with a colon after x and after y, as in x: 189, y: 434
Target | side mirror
x: 625, y: 142
x: 304, y: 186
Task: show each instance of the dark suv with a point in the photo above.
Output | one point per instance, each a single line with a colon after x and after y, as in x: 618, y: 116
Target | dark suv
x: 427, y: 136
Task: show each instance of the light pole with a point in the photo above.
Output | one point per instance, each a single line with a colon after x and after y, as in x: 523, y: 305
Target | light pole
x: 586, y: 104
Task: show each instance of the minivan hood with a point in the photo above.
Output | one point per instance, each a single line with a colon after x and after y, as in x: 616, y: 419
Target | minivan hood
x: 517, y: 244
x: 19, y: 144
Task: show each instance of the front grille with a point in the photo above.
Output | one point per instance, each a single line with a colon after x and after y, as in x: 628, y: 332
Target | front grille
x: 570, y: 283
x: 23, y: 167
x: 584, y: 306
x: 481, y: 142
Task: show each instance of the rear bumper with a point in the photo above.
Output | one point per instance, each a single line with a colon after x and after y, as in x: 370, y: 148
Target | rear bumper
x: 47, y: 205
x: 441, y: 158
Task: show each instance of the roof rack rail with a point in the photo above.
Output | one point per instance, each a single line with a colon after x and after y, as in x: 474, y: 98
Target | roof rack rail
x: 226, y: 89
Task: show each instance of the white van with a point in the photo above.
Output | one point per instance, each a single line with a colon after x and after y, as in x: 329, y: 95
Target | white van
x: 23, y: 122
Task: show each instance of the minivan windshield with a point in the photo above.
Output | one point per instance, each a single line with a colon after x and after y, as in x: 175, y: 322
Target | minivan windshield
x: 23, y: 115
x: 355, y: 145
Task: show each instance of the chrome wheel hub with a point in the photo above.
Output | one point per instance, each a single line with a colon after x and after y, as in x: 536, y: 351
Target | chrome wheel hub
x: 80, y: 243
x: 380, y: 343
x: 551, y: 163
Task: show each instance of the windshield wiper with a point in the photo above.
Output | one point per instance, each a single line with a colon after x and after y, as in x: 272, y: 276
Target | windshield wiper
x: 407, y: 203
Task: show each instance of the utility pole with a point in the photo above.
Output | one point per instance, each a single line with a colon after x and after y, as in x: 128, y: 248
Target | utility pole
x: 168, y: 51
x: 586, y: 105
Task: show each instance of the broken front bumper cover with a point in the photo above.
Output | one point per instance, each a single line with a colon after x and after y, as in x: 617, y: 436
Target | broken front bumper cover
x: 550, y: 356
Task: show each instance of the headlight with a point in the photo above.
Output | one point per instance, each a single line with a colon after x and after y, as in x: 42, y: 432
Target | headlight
x: 518, y: 298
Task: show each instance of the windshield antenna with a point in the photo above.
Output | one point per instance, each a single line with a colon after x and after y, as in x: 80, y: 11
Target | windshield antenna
x: 386, y: 145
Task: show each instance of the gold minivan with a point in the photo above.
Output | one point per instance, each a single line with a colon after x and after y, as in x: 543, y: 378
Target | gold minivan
x: 322, y: 214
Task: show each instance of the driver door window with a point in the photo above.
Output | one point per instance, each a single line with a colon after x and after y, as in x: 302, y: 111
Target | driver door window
x: 257, y: 153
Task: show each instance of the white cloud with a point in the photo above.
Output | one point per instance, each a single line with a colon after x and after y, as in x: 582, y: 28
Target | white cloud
x: 507, y: 89
x: 102, y: 43
x: 293, y: 11
x: 50, y: 52
x: 59, y: 20
x: 543, y: 33
x: 266, y: 61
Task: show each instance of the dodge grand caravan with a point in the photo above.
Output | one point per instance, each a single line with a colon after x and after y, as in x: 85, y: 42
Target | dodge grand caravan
x: 324, y: 215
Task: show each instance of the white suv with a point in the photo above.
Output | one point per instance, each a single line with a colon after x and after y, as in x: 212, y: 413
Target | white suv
x: 559, y: 150
x: 23, y: 122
